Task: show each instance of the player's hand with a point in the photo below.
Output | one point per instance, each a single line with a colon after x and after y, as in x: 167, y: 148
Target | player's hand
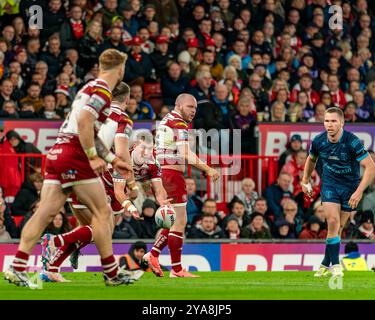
x: 354, y: 199
x: 133, y: 194
x: 162, y: 201
x: 98, y: 165
x: 135, y: 214
x: 214, y: 174
x: 122, y: 168
x: 307, y: 189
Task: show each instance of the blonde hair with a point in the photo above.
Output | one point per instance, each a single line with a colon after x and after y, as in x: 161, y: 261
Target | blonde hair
x: 111, y: 59
x: 228, y: 69
x: 273, y: 108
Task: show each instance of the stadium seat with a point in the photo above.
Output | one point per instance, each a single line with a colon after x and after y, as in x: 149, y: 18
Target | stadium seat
x: 152, y: 93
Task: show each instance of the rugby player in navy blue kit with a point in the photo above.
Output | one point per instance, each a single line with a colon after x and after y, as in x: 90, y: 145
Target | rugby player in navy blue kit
x: 340, y: 154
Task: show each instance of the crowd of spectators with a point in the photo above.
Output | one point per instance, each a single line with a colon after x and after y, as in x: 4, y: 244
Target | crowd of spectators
x: 246, y: 62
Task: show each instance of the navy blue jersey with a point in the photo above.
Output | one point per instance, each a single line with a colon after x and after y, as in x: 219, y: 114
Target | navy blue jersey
x: 339, y: 162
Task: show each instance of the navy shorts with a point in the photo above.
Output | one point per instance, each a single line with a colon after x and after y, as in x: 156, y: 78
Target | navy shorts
x: 337, y: 195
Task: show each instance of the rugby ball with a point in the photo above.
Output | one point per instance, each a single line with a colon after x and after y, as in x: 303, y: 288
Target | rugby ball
x: 165, y: 217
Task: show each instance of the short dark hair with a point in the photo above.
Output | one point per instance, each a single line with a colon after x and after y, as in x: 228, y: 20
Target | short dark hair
x: 335, y: 110
x: 351, y: 247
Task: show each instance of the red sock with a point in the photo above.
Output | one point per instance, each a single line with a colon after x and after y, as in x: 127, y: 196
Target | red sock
x: 62, y: 253
x: 175, y: 241
x: 80, y: 234
x: 20, y: 261
x: 160, y: 243
x: 110, y: 267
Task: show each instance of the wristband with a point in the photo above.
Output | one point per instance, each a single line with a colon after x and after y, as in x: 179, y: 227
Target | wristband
x: 109, y: 157
x: 307, y: 186
x: 129, y: 206
x: 91, y: 153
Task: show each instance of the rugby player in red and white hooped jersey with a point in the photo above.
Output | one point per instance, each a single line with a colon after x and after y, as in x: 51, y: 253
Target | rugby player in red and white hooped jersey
x: 115, y: 132
x: 74, y: 164
x: 172, y: 152
x: 145, y: 168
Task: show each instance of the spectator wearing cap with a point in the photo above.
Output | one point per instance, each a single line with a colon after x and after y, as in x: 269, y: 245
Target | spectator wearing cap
x: 63, y: 99
x: 187, y: 67
x: 216, y: 68
x: 130, y: 23
x: 256, y: 228
x: 144, y: 109
x: 138, y: 65
x: 353, y: 261
x: 282, y: 230
x: 114, y: 41
x: 73, y: 29
x: 318, y: 49
x: 54, y: 57
x: 148, y: 15
x: 293, y: 146
x: 164, y: 10
x: 312, y: 230
x: 109, y: 11
x: 366, y: 226
x: 53, y: 18
x: 173, y: 83
x: 161, y: 56
x: 33, y: 96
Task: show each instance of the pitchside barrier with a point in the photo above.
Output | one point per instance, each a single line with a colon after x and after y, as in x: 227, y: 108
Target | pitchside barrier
x: 212, y: 255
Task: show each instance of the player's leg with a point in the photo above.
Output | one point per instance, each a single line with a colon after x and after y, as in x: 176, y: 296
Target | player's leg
x: 93, y: 196
x: 344, y: 217
x: 152, y: 256
x: 332, y: 211
x: 52, y: 199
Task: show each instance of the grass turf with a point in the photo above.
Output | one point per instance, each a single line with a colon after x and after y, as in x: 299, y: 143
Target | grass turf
x: 210, y: 286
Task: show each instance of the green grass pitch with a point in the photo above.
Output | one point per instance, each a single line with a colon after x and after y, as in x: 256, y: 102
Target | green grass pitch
x: 210, y: 286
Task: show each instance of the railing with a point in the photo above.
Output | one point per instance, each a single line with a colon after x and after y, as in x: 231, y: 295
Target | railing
x: 233, y: 168
x: 15, y: 168
x: 263, y: 170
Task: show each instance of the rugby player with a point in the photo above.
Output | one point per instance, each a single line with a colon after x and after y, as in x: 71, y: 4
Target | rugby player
x: 341, y: 153
x: 172, y: 152
x: 74, y: 163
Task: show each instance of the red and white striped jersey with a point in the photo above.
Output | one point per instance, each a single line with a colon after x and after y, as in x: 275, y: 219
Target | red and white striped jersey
x: 171, y: 132
x: 118, y: 124
x: 148, y: 170
x: 94, y: 97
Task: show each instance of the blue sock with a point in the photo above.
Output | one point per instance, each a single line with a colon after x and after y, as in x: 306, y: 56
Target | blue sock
x: 333, y: 245
x: 327, y: 258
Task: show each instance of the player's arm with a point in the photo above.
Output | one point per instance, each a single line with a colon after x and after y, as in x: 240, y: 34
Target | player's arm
x: 193, y: 160
x: 368, y: 177
x: 307, y: 171
x: 119, y: 185
x: 122, y: 151
x: 159, y: 191
x: 86, y: 136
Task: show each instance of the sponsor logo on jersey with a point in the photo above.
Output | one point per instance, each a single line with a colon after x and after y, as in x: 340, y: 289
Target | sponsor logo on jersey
x: 70, y: 174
